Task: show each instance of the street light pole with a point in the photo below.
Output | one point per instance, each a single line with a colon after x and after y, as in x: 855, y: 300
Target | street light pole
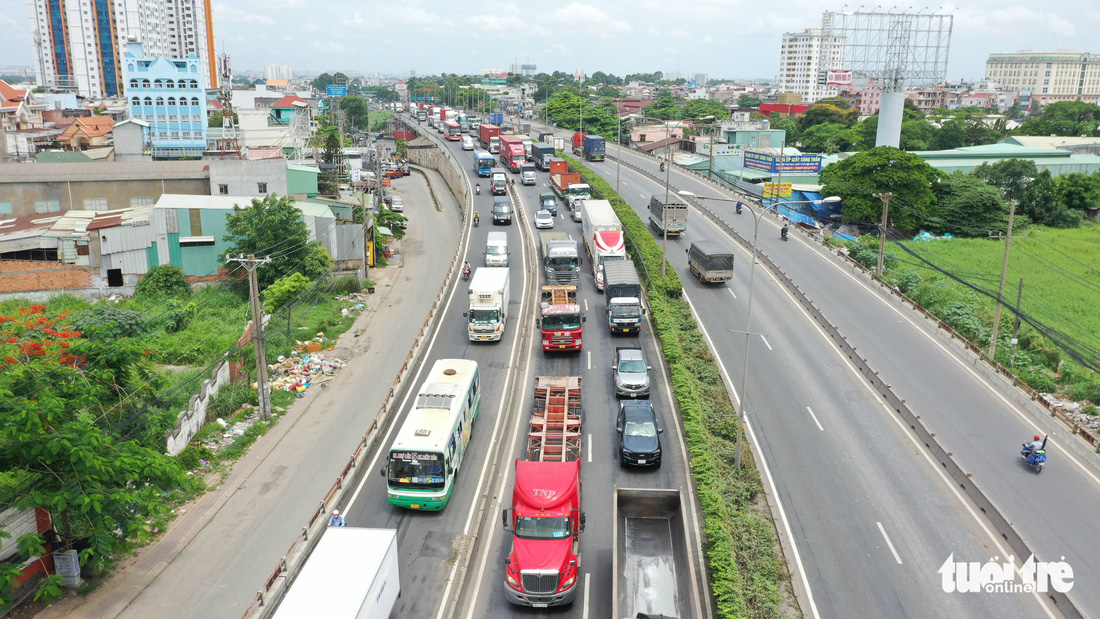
x: 664, y: 211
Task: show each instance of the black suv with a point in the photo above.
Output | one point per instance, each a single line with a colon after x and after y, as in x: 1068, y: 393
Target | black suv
x: 502, y: 210
x: 639, y: 433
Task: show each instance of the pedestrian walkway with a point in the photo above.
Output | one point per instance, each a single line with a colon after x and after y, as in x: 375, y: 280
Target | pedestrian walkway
x: 217, y: 554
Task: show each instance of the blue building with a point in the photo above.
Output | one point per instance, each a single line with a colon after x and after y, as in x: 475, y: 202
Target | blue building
x: 168, y: 94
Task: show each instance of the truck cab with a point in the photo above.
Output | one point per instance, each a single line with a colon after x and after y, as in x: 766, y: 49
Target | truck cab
x: 548, y: 202
x: 527, y: 174
x: 561, y: 323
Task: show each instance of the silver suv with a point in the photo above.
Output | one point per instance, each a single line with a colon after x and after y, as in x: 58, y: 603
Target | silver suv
x: 630, y: 373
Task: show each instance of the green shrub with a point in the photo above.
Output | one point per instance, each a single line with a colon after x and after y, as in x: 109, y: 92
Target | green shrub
x: 1086, y: 391
x: 107, y: 322
x: 1090, y: 410
x: 189, y: 457
x: 162, y: 282
x: 347, y: 285
x: 230, y: 398
x: 1039, y: 380
x: 908, y: 281
x: 178, y: 317
x: 960, y: 317
x: 283, y: 290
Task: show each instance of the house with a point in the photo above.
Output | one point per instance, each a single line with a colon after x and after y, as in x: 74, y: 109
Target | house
x: 22, y: 130
x: 170, y: 95
x: 83, y: 133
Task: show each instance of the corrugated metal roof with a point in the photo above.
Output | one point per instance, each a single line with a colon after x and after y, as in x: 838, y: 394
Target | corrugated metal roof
x: 179, y: 200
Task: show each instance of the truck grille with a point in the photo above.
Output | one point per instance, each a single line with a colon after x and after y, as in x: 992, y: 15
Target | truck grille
x: 540, y: 581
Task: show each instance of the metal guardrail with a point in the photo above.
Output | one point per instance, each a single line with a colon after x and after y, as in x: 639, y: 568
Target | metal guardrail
x: 945, y: 458
x: 276, y: 584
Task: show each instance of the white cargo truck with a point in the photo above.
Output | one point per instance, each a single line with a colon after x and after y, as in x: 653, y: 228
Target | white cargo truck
x: 488, y: 313
x: 351, y: 574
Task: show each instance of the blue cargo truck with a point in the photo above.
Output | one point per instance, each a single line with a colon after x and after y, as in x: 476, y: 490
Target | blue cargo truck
x: 594, y: 147
x: 541, y: 153
x: 496, y: 118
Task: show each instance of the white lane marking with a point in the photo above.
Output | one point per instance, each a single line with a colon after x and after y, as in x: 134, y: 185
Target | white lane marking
x: 732, y: 293
x: 590, y: 359
x: 586, y: 305
x: 815, y: 418
x: 888, y: 542
x: 642, y: 195
x: 585, y: 614
x: 589, y: 446
x: 766, y: 342
x: 764, y: 465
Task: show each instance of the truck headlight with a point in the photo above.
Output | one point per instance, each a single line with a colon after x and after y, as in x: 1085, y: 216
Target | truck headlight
x: 512, y: 581
x: 569, y: 582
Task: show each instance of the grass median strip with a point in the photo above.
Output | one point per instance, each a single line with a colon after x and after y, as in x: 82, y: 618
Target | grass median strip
x: 746, y: 571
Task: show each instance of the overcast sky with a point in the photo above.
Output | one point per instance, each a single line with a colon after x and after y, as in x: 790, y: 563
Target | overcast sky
x: 724, y: 38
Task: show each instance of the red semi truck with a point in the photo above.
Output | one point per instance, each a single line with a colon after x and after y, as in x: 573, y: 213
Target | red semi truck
x: 489, y: 136
x: 512, y: 153
x: 561, y: 323
x: 543, y: 564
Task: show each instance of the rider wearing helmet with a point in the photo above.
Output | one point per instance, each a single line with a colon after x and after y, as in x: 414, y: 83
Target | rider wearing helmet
x: 1035, y: 445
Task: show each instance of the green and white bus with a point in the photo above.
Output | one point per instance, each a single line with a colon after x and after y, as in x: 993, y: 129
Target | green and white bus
x: 427, y: 453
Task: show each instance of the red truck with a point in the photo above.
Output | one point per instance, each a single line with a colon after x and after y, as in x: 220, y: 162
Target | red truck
x: 489, y: 136
x: 543, y: 564
x: 578, y: 143
x: 512, y: 153
x: 562, y: 324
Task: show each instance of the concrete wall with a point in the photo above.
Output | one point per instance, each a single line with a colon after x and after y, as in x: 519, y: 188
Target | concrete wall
x: 23, y: 275
x: 426, y: 154
x: 71, y: 194
x: 190, y: 420
x: 242, y: 177
x: 130, y: 143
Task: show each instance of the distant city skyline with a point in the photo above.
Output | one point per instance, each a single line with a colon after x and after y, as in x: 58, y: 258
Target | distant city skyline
x: 734, y: 39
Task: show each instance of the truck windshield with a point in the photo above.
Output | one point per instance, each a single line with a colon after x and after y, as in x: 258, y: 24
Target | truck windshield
x: 563, y: 263
x: 542, y: 528
x: 484, y: 316
x: 626, y: 311
x: 562, y: 322
x: 496, y: 250
x: 423, y: 471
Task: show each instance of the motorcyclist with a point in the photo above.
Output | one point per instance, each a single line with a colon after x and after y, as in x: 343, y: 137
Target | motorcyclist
x: 784, y: 231
x: 477, y: 219
x: 477, y: 189
x: 466, y: 270
x: 1035, y: 445
x: 662, y: 166
x: 337, y: 520
x: 738, y: 208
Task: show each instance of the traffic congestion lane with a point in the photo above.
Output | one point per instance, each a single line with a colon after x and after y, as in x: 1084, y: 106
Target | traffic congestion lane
x: 791, y: 370
x: 600, y: 470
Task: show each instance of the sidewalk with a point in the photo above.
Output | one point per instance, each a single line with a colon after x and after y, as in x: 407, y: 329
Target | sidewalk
x: 213, y: 558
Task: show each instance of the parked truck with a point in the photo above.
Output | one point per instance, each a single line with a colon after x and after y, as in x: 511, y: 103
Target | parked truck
x: 594, y: 147
x: 670, y: 219
x: 560, y: 259
x: 623, y: 291
x: 351, y: 573
x: 603, y: 237
x: 543, y: 565
x: 489, y: 136
x: 710, y: 261
x: 542, y: 153
x: 512, y: 155
x: 652, y: 570
x: 561, y: 322
x: 488, y: 313
x: 571, y: 190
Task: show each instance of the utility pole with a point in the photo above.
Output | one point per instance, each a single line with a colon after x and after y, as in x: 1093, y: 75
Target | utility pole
x: 885, y: 197
x: 1016, y: 324
x: 1001, y: 287
x: 251, y: 263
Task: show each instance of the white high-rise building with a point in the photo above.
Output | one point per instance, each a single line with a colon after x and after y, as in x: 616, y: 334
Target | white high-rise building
x: 1064, y: 75
x: 79, y: 44
x: 803, y: 56
x: 278, y: 72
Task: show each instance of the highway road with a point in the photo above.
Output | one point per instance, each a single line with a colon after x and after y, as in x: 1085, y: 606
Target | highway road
x: 871, y: 517
x: 428, y: 542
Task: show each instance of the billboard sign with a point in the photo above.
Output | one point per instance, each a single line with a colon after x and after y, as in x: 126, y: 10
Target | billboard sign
x: 336, y: 90
x: 791, y: 163
x: 784, y: 190
x: 838, y: 78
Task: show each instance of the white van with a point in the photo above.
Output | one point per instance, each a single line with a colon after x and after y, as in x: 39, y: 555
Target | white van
x: 467, y: 143
x: 496, y: 250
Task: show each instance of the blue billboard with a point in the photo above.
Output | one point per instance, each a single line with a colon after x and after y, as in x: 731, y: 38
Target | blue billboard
x: 791, y: 163
x: 336, y: 90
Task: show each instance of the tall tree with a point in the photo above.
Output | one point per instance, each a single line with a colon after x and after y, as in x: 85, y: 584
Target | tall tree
x: 273, y: 227
x: 747, y: 100
x: 883, y: 169
x: 969, y: 207
x: 1011, y: 176
x: 821, y: 113
x: 1079, y: 191
x: 826, y: 138
x: 1043, y: 204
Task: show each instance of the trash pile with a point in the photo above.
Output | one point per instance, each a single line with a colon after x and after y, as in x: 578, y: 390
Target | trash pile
x: 1073, y: 410
x: 233, y: 430
x: 358, y: 298
x: 299, y: 373
x: 928, y: 236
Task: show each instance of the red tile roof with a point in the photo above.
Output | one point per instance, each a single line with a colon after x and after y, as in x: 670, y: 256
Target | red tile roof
x: 11, y: 97
x: 289, y: 101
x: 214, y: 104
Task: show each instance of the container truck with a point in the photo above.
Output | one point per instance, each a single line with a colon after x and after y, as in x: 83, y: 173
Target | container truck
x: 561, y: 260
x: 623, y: 290
x: 578, y: 143
x: 541, y: 153
x: 652, y: 569
x: 542, y: 568
x: 546, y: 136
x: 561, y: 322
x: 488, y: 135
x: 710, y: 261
x: 594, y: 147
x: 570, y: 189
x: 496, y: 118
x: 603, y: 237
x: 558, y: 166
x: 488, y: 313
x: 527, y: 142
x: 559, y: 143
x: 421, y: 116
x: 670, y: 219
x: 351, y: 573
x: 512, y: 154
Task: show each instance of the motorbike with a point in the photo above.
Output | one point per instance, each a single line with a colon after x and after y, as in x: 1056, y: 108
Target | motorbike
x: 783, y: 234
x: 662, y: 166
x: 477, y: 219
x: 477, y: 190
x: 1035, y: 459
x: 465, y: 274
x: 738, y: 208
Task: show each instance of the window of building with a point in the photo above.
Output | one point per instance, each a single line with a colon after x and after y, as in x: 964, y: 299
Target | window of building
x: 195, y: 101
x: 47, y: 206
x: 223, y: 190
x: 171, y: 101
x: 5, y: 207
x: 141, y: 201
x: 95, y: 204
x: 148, y: 101
x: 196, y: 241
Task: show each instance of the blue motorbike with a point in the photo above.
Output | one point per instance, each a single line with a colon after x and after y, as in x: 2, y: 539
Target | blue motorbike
x: 1036, y: 459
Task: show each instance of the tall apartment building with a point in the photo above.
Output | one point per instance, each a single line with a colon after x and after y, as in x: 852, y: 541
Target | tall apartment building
x: 78, y: 44
x: 802, y: 58
x: 1064, y: 75
x: 168, y: 94
x: 278, y: 72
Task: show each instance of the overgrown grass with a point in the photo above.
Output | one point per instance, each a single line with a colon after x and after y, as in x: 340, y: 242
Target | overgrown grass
x: 745, y: 568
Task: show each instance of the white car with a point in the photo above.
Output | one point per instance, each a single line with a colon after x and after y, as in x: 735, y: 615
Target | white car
x: 467, y: 143
x: 544, y: 219
x: 397, y: 205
